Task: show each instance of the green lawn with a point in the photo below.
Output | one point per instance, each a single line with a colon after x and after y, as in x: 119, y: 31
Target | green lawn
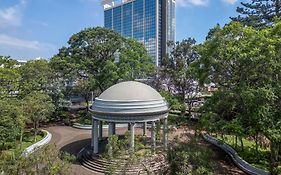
x: 259, y: 159
x: 28, y: 139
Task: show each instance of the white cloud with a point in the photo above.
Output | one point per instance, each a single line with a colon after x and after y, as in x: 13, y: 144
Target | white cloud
x: 230, y: 1
x: 185, y: 3
x: 10, y: 41
x: 12, y: 16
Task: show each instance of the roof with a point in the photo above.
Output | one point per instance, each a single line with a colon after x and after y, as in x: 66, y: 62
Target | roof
x: 129, y: 101
x: 130, y: 91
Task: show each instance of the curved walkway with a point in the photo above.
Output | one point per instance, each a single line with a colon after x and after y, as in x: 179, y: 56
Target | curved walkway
x: 64, y: 137
x: 72, y: 140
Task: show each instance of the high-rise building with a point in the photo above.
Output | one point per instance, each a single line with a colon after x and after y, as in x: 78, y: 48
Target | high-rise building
x: 151, y: 22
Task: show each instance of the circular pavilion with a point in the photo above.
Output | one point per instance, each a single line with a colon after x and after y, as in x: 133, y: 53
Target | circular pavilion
x: 129, y: 102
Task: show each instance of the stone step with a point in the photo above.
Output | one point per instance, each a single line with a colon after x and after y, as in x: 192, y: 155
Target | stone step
x: 106, y: 163
x: 91, y: 168
x: 99, y: 166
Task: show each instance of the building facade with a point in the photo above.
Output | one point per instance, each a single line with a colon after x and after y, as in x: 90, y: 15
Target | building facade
x: 152, y: 22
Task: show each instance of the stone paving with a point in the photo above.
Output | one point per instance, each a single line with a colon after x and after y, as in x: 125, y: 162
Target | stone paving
x: 72, y: 140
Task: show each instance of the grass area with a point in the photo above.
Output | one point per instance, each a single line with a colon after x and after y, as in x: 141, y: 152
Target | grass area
x: 28, y: 140
x: 259, y: 159
x: 85, y: 120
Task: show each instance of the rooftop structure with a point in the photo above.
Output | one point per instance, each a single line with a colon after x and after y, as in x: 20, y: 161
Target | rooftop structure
x: 152, y: 22
x: 129, y: 102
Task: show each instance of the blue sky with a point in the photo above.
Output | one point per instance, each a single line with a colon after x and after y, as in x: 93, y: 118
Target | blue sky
x: 38, y: 28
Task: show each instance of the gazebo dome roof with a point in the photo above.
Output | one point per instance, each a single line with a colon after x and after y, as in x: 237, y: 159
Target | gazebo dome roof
x: 130, y: 91
x: 129, y: 101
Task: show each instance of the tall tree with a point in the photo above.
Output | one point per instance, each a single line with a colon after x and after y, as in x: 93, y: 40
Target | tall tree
x: 9, y: 77
x: 101, y: 57
x: 10, y: 123
x: 35, y: 76
x: 179, y: 68
x: 259, y: 13
x: 244, y: 63
x: 38, y: 106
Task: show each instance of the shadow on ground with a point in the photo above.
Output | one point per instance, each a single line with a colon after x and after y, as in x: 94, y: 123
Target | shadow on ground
x: 73, y: 148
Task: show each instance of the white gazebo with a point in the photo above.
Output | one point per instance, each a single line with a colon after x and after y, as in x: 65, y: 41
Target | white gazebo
x: 129, y: 102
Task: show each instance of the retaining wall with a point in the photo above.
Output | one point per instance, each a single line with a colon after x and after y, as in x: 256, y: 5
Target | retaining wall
x: 37, y: 145
x: 242, y: 164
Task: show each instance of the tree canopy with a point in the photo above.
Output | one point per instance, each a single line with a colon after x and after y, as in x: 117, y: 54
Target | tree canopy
x: 259, y: 13
x: 245, y: 65
x: 102, y: 58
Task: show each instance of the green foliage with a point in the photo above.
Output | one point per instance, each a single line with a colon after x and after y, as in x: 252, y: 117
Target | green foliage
x: 247, y: 151
x: 134, y: 62
x: 60, y: 113
x: 178, y: 71
x: 35, y: 76
x: 177, y: 119
x: 259, y: 13
x: 190, y: 158
x: 38, y: 106
x: 11, y: 123
x: 120, y: 148
x: 245, y: 65
x: 46, y: 161
x: 84, y: 117
x: 91, y: 60
x: 173, y: 101
x: 112, y: 148
x: 9, y: 77
x: 7, y: 62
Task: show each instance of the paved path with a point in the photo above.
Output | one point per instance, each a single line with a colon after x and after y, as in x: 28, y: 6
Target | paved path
x: 72, y: 140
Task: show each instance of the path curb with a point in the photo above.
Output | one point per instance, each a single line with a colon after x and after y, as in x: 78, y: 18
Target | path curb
x: 242, y: 164
x: 37, y: 145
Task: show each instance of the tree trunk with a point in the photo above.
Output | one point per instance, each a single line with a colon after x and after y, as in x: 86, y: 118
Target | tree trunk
x: 242, y: 144
x: 87, y: 102
x: 256, y: 144
x: 273, y: 157
x: 189, y: 109
x: 236, y: 140
x: 222, y: 136
x: 21, y: 136
x: 35, y: 130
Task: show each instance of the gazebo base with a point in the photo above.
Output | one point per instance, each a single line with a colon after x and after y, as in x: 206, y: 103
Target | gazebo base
x: 153, y: 164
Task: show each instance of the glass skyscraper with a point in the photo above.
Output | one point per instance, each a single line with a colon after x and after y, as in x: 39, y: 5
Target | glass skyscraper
x: 151, y: 22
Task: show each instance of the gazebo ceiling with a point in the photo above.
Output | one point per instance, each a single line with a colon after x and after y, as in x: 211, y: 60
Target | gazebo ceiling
x: 130, y: 102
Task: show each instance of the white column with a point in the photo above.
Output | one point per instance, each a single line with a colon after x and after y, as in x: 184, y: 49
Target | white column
x: 110, y: 133
x: 129, y: 126
x: 132, y: 138
x: 114, y: 128
x: 165, y: 133
x: 110, y: 129
x: 144, y: 128
x: 153, y: 137
x: 100, y: 130
x: 93, y: 131
x: 95, y: 136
